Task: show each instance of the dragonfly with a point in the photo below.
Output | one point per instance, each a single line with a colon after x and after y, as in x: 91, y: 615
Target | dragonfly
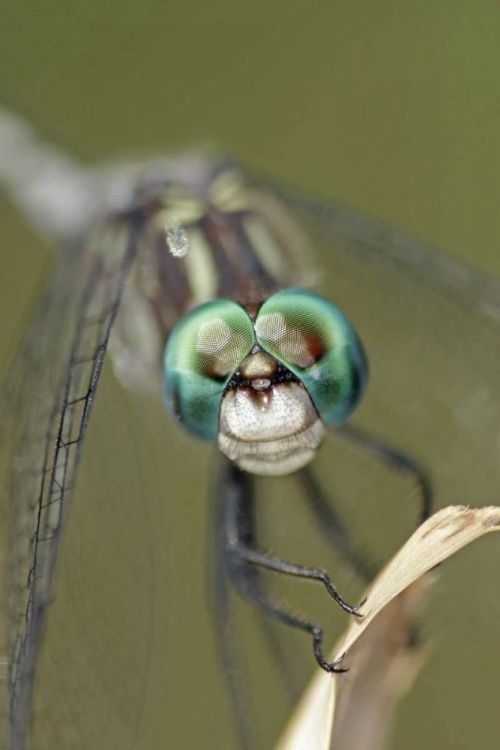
x: 195, y: 276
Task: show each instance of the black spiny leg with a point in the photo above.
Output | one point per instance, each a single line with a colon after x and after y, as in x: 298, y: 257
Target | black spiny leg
x: 242, y: 558
x: 395, y: 460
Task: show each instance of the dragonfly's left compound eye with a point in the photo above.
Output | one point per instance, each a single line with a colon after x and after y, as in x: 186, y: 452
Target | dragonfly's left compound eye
x: 203, y: 351
x: 316, y: 342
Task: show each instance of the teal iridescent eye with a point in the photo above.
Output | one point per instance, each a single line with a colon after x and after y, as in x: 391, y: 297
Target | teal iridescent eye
x: 202, y: 353
x: 314, y: 340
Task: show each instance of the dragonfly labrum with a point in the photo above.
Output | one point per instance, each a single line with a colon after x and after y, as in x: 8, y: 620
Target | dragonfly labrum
x: 196, y: 277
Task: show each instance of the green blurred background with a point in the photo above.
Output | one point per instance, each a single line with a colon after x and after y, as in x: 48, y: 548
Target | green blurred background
x: 393, y: 108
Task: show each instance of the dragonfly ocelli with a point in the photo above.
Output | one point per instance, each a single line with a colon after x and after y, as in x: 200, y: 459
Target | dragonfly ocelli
x: 196, y: 277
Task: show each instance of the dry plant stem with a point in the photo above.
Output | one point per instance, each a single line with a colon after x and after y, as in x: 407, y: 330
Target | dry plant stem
x: 354, y: 710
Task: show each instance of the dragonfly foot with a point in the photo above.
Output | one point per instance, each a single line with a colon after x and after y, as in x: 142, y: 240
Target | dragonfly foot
x: 329, y: 666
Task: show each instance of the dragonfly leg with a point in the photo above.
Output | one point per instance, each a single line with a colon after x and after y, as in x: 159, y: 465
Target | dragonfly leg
x: 395, y: 460
x: 241, y: 556
x: 245, y: 583
x: 332, y: 526
x: 226, y: 496
x: 248, y: 555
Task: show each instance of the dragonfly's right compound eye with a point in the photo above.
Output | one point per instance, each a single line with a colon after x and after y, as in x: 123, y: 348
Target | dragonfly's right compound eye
x: 202, y: 353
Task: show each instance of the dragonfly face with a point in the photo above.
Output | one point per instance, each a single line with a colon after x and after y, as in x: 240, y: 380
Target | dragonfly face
x: 264, y: 379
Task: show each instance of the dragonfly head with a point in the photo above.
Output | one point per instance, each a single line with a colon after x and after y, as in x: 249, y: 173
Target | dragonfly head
x: 264, y: 383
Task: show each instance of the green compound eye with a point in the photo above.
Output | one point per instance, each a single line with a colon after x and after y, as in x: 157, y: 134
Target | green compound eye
x: 202, y: 352
x: 311, y: 337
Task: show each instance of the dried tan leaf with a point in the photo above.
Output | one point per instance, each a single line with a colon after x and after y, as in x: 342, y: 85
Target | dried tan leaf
x: 353, y: 710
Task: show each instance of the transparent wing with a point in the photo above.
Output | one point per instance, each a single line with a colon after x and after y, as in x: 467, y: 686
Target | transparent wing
x: 431, y: 327
x: 368, y: 240
x: 49, y: 397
